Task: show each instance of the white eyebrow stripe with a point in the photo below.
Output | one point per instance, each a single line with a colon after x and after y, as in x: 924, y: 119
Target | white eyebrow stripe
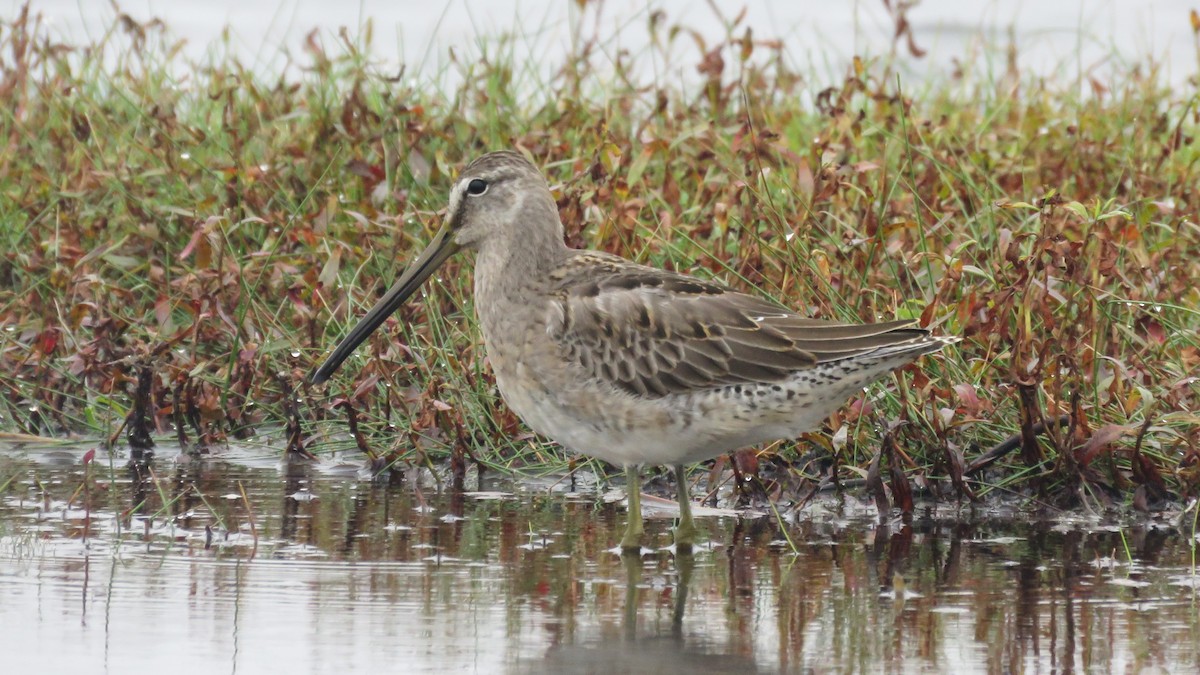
x: 455, y: 198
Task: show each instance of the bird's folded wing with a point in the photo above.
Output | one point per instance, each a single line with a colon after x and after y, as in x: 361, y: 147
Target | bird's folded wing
x: 654, y: 333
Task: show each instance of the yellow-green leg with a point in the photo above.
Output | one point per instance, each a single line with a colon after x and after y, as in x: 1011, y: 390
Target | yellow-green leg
x: 632, y: 541
x: 685, y: 531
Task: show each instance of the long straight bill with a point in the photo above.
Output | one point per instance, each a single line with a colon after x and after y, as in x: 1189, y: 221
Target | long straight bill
x: 441, y: 248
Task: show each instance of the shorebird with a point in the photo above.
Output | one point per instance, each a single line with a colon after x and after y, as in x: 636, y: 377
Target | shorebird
x: 632, y: 364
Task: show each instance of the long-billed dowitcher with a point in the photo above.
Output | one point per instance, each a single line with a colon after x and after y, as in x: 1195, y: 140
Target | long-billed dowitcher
x: 627, y: 363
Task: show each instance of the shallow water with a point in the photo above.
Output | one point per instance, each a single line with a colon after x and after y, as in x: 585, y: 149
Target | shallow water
x: 1069, y: 40
x: 239, y: 564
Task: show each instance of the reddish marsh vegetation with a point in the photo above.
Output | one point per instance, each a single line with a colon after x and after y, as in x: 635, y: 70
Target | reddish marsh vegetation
x: 211, y: 231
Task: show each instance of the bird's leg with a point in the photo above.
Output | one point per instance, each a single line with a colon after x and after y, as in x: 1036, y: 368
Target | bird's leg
x: 685, y: 531
x: 632, y: 541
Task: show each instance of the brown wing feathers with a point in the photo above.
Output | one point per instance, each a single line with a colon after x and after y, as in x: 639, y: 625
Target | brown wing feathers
x: 655, y: 333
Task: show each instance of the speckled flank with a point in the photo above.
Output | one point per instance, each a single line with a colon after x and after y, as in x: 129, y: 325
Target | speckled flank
x: 584, y: 415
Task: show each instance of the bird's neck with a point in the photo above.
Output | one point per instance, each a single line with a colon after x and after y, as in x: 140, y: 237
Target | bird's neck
x: 508, y: 275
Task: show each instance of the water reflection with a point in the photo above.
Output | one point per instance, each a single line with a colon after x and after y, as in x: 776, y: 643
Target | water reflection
x: 244, y: 564
x: 656, y: 648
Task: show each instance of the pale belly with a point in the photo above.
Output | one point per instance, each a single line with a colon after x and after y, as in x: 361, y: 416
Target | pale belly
x: 623, y: 429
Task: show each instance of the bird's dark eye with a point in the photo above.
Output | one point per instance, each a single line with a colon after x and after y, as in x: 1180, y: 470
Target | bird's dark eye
x: 476, y: 187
